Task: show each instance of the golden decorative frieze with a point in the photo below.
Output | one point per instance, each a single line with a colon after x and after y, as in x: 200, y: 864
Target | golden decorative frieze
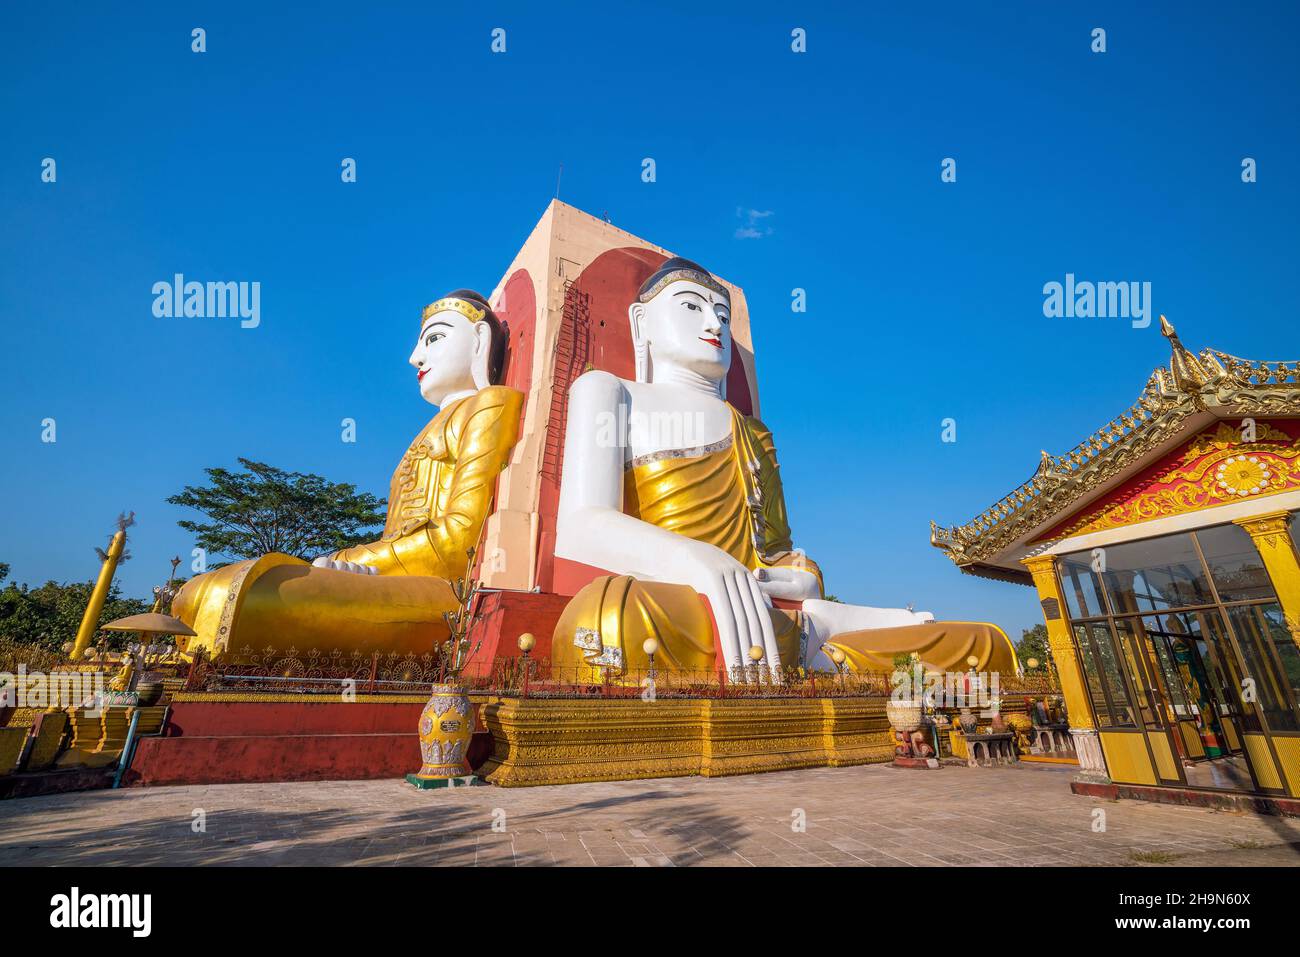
x: 560, y: 741
x: 1216, y: 468
x: 1273, y: 527
x: 1212, y: 381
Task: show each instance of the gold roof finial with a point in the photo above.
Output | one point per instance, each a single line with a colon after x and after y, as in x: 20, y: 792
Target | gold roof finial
x: 1047, y: 471
x: 1188, y: 372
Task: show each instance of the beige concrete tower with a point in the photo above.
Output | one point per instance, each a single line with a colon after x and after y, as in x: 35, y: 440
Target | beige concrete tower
x: 564, y: 299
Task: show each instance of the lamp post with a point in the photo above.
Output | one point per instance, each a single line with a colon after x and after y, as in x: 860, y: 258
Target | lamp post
x: 1031, y: 664
x: 650, y: 646
x: 756, y: 656
x: 527, y: 641
x: 838, y: 657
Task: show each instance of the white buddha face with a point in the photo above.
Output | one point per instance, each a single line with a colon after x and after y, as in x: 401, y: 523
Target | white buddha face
x: 689, y: 326
x: 444, y: 354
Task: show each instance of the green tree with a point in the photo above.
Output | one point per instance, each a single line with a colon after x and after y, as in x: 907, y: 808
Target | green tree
x: 1033, y: 644
x: 49, y: 616
x: 265, y: 509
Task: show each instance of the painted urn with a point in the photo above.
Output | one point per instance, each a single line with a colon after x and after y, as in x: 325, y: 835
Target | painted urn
x: 968, y: 721
x: 446, y: 725
x: 904, y: 716
x: 150, y: 688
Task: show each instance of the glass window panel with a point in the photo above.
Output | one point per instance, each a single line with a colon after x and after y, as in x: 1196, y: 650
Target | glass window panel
x: 1168, y: 645
x: 1234, y: 564
x: 1190, y: 675
x: 1225, y: 668
x: 1108, y: 663
x: 1092, y: 677
x: 1272, y: 664
x: 1155, y: 575
x: 1130, y: 636
x: 1081, y: 586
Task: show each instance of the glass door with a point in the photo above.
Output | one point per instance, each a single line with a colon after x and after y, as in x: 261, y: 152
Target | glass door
x: 1266, y: 662
x: 1191, y: 668
x: 1155, y: 711
x: 1200, y: 698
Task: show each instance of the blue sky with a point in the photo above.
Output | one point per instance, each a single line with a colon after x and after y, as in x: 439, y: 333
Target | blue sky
x: 924, y: 298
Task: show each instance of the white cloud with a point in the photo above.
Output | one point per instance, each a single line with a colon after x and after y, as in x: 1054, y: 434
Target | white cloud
x: 752, y: 225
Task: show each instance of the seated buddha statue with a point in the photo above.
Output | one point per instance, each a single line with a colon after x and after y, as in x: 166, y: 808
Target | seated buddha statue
x: 676, y: 495
x: 388, y: 595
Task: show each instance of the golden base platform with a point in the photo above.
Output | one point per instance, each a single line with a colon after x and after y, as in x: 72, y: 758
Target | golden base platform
x: 541, y: 741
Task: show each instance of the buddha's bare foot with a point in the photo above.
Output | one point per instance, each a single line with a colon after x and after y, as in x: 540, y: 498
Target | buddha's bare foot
x: 355, y: 567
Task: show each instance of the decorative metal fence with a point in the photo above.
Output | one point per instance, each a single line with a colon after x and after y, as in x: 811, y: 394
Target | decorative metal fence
x: 314, y: 672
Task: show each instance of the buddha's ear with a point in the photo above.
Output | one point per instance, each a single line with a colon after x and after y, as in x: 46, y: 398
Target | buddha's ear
x: 641, y: 347
x: 478, y: 365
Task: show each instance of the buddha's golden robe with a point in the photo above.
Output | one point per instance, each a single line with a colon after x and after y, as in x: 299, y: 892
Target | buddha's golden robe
x: 441, y: 494
x: 941, y: 645
x: 727, y: 494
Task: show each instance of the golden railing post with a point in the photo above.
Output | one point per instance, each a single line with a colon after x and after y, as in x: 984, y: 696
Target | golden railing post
x: 1271, y: 534
x: 1083, y: 726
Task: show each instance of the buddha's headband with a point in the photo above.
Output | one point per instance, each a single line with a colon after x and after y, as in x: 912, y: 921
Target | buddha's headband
x: 687, y: 274
x: 466, y: 308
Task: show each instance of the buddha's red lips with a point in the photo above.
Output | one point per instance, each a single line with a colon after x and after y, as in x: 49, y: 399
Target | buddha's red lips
x: 717, y: 343
x: 420, y: 375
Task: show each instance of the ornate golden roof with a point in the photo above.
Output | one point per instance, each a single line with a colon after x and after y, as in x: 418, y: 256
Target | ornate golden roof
x: 1192, y: 385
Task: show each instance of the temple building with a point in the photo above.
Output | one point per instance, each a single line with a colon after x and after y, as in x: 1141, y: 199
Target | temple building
x: 1164, y: 552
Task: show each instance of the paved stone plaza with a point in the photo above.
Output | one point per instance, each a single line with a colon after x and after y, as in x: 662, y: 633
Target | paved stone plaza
x: 874, y: 815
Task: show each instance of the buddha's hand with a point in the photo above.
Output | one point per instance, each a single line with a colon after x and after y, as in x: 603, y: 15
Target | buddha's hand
x: 792, y: 584
x: 740, y: 609
x: 355, y: 567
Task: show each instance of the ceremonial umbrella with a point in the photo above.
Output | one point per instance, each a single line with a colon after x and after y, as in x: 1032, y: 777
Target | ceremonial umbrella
x: 151, y: 623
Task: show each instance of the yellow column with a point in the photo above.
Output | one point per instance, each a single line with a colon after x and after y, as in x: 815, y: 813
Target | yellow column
x: 1271, y: 534
x: 1083, y: 727
x: 90, y: 620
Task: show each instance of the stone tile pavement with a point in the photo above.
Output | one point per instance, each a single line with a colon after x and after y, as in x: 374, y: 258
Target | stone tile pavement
x: 874, y: 816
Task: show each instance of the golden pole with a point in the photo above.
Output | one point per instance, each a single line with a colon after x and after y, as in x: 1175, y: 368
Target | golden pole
x: 90, y: 619
x: 1083, y: 726
x: 1060, y: 647
x: 1272, y: 537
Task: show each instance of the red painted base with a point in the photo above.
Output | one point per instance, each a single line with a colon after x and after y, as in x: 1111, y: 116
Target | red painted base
x: 921, y: 763
x: 504, y: 616
x: 226, y: 742
x: 1191, y: 797
x: 263, y: 758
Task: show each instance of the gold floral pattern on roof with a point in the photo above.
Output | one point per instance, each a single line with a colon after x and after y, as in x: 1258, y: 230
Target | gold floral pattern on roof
x: 1173, y: 397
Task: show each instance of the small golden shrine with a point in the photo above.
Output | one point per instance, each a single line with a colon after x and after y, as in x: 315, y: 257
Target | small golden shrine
x: 1163, y: 548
